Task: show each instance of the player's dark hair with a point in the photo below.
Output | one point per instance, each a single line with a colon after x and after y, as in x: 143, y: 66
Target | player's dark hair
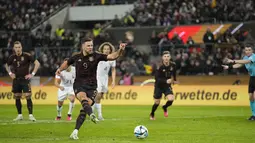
x: 87, y: 39
x: 247, y: 46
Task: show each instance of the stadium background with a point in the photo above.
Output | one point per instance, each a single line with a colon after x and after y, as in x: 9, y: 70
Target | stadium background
x: 200, y: 34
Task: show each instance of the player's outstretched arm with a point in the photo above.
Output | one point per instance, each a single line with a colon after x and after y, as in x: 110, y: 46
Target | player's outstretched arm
x: 243, y: 61
x: 235, y: 66
x: 118, y: 53
x: 250, y: 60
x: 62, y: 67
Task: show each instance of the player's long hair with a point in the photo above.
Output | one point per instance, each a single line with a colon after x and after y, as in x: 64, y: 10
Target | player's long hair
x: 101, y: 47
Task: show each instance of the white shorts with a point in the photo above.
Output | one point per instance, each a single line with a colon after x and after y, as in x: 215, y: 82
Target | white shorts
x: 102, y: 84
x: 62, y: 95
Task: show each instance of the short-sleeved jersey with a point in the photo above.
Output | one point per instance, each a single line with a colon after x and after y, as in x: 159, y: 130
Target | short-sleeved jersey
x: 251, y: 66
x: 67, y: 78
x: 20, y: 64
x: 86, y: 67
x: 104, y: 68
x: 163, y: 73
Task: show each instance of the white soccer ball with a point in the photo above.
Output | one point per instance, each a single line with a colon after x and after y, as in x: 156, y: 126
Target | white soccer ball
x: 141, y: 132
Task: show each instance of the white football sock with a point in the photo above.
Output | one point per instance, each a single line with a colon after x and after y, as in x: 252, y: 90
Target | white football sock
x: 71, y: 106
x: 99, y: 109
x: 93, y: 108
x: 59, y: 110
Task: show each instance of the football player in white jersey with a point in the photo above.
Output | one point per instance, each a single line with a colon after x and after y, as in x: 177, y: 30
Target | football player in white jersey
x: 102, y: 76
x: 65, y: 84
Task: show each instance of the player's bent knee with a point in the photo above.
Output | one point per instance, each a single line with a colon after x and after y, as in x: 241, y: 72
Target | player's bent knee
x: 72, y: 98
x: 82, y: 96
x: 170, y: 97
x: 60, y: 103
x: 157, y: 101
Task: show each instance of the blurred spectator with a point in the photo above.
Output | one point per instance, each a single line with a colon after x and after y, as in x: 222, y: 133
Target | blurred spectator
x: 97, y: 30
x: 171, y: 12
x: 116, y: 21
x: 126, y: 79
x: 208, y: 40
x: 154, y: 40
x: 60, y: 31
x: 190, y: 42
x: 19, y: 15
x: 129, y: 20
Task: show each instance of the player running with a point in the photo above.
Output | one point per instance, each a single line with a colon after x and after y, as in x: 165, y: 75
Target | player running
x: 65, y: 84
x: 85, y: 83
x: 102, y: 76
x: 249, y: 62
x: 19, y: 62
x: 163, y: 77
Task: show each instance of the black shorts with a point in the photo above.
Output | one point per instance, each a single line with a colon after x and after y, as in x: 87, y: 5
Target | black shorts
x: 159, y: 91
x: 89, y: 90
x: 251, y: 88
x: 21, y: 85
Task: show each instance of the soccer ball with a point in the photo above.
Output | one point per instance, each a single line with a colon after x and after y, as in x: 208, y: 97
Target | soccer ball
x: 141, y: 132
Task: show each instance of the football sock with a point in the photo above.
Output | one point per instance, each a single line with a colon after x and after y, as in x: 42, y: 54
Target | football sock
x: 154, y: 108
x: 252, y: 104
x: 18, y: 106
x: 87, y: 108
x: 71, y: 105
x: 168, y: 103
x: 99, y: 109
x: 93, y: 108
x: 30, y: 106
x: 80, y: 119
x: 59, y: 110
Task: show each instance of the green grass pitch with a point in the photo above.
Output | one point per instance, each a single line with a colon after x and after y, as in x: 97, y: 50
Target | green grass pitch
x: 185, y: 124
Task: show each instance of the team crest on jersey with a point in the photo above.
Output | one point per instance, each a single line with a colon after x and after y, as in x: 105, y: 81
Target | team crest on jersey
x: 164, y: 70
x: 91, y: 59
x: 14, y: 60
x: 22, y: 58
x: 79, y: 60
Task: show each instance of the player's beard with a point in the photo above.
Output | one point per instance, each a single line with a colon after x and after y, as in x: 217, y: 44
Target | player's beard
x: 166, y: 63
x: 86, y: 52
x: 18, y: 53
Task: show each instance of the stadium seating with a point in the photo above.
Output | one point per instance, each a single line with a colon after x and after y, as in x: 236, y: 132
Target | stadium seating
x: 191, y: 59
x: 21, y: 15
x: 171, y: 12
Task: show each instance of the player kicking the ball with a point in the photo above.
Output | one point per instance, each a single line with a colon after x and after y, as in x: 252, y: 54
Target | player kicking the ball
x: 163, y: 77
x: 249, y: 62
x: 65, y: 84
x: 102, y: 76
x: 85, y: 83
